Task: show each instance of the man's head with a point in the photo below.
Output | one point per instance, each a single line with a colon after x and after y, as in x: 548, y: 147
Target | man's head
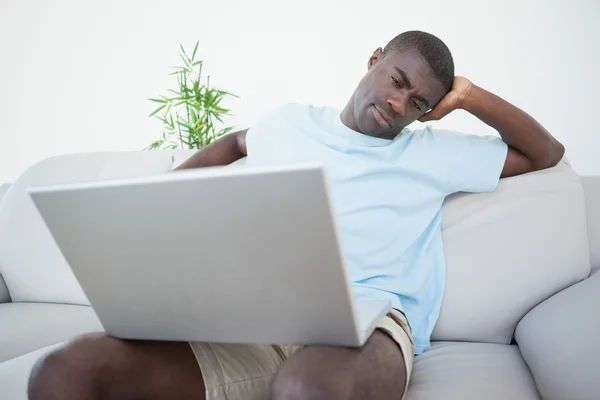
x: 404, y: 80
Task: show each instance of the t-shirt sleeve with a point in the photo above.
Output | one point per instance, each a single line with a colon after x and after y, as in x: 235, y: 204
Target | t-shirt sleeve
x: 258, y: 138
x: 265, y: 137
x: 473, y: 163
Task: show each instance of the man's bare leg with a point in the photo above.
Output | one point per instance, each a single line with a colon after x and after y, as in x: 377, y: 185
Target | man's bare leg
x: 375, y: 372
x: 96, y: 367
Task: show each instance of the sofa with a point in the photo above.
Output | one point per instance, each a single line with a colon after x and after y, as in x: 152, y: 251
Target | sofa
x: 521, y: 311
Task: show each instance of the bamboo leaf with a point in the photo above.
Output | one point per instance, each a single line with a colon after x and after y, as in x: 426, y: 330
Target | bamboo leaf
x: 195, y: 49
x: 179, y: 71
x: 158, y: 100
x: 155, y: 145
x: 219, y: 109
x: 197, y: 105
x: 182, y: 50
x: 225, y: 93
x: 157, y: 110
x: 185, y: 124
x: 186, y: 62
x: 208, y: 99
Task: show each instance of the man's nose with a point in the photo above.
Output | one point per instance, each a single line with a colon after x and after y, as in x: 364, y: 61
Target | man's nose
x: 398, y: 104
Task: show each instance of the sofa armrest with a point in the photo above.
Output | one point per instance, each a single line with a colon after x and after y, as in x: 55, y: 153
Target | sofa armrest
x: 3, y: 189
x: 591, y: 187
x: 4, y: 295
x: 560, y: 342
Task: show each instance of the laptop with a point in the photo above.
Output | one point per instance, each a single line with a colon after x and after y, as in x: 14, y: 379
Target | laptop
x: 229, y: 255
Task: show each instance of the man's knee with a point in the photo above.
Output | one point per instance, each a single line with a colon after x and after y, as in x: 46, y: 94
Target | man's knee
x: 375, y: 371
x: 79, y: 363
x: 299, y: 381
x: 306, y: 387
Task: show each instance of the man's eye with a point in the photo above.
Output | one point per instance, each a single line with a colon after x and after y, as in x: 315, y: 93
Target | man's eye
x: 417, y: 105
x: 396, y: 81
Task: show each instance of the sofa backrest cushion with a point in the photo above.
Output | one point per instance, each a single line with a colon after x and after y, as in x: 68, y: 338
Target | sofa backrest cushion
x: 30, y: 262
x: 508, y: 250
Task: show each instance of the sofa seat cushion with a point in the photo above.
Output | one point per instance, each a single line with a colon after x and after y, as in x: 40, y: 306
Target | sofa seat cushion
x: 26, y: 327
x: 14, y: 373
x: 458, y: 371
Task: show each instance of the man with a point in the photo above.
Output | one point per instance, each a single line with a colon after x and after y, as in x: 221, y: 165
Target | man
x: 388, y: 185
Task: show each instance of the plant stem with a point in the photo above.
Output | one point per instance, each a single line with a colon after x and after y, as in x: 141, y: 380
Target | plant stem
x: 179, y: 130
x: 212, y: 127
x: 187, y: 107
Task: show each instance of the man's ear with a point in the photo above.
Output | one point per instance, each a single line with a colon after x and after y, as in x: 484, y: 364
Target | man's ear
x: 375, y: 57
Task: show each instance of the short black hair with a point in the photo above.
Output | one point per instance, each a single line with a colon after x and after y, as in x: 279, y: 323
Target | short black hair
x: 431, y: 48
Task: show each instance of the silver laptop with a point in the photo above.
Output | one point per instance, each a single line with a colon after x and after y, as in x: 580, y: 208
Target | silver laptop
x: 237, y: 255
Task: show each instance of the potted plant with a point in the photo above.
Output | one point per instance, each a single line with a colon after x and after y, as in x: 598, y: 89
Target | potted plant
x: 191, y: 112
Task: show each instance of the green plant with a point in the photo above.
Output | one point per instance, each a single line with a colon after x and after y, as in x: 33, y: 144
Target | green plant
x: 190, y: 113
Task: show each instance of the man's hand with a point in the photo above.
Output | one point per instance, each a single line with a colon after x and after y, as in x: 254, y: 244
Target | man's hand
x: 461, y: 88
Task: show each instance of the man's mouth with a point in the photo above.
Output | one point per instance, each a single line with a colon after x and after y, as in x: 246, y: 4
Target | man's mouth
x: 382, y: 118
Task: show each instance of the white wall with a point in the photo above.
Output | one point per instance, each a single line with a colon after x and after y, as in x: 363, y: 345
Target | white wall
x: 75, y: 76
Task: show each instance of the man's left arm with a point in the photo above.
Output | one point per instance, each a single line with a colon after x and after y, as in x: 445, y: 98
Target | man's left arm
x: 530, y: 146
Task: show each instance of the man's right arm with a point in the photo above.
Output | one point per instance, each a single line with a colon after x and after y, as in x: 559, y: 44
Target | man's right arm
x: 223, y: 151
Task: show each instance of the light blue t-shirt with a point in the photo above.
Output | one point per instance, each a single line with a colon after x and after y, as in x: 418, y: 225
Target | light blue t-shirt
x: 387, y: 196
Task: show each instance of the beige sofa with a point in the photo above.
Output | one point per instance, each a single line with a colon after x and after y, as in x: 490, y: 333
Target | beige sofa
x: 521, y: 311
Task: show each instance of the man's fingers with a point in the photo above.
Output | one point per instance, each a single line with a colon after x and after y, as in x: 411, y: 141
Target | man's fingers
x: 425, y: 118
x: 430, y: 116
x: 433, y: 115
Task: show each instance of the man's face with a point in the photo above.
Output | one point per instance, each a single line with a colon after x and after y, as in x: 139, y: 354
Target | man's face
x: 398, y: 88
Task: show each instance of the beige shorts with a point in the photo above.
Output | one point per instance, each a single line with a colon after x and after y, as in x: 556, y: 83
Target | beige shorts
x: 243, y: 371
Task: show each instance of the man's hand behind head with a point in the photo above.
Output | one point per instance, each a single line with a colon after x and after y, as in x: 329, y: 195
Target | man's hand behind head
x: 454, y: 100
